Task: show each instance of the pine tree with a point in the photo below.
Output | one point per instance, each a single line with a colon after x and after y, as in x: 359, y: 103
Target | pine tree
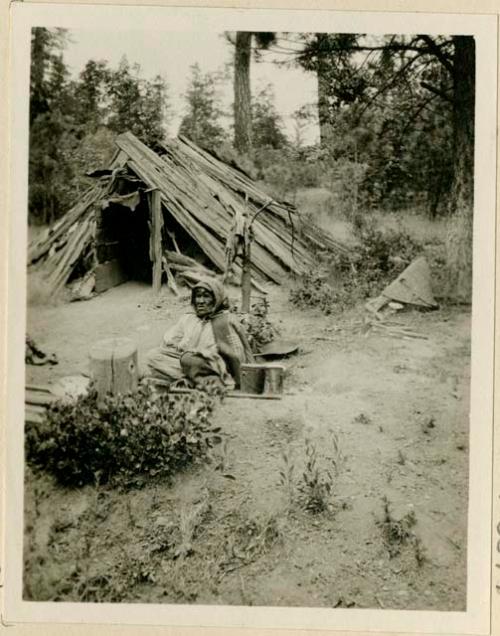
x: 201, y: 123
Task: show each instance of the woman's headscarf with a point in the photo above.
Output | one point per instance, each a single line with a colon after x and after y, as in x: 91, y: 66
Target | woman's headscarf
x: 216, y: 288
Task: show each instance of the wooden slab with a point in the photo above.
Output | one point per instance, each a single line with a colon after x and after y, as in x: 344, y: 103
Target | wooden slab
x: 108, y: 275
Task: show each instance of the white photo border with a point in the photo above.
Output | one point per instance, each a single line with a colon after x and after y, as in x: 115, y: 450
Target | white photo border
x: 476, y: 619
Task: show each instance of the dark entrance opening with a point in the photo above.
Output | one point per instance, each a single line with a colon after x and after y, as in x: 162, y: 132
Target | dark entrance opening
x: 122, y: 245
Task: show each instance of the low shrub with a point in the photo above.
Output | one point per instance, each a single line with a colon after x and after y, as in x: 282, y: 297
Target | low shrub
x: 316, y: 485
x: 336, y: 283
x: 399, y: 532
x: 259, y: 329
x: 314, y: 290
x: 123, y: 440
x: 386, y: 252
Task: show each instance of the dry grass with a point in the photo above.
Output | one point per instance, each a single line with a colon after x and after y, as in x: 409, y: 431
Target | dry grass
x: 417, y: 225
x: 318, y: 203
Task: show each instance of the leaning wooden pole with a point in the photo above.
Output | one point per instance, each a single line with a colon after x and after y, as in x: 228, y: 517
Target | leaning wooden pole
x: 246, y: 273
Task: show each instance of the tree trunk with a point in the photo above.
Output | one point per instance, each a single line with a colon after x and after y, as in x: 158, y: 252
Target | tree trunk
x: 113, y: 366
x: 242, y: 94
x: 39, y: 57
x: 325, y: 124
x: 459, y: 237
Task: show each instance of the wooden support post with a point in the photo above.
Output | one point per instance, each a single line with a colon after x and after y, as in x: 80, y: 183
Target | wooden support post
x: 113, y: 366
x: 156, y: 251
x: 246, y: 279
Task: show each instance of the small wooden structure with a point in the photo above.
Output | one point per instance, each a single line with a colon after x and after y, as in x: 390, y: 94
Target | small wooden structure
x: 262, y: 378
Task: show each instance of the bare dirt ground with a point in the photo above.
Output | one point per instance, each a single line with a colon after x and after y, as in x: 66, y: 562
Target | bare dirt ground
x: 234, y: 531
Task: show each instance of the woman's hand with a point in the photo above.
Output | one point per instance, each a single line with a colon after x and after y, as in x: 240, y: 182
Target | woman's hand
x: 207, y: 352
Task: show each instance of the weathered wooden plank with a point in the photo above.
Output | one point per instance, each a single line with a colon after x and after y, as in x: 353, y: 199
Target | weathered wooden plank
x: 68, y: 252
x: 108, y: 275
x: 45, y: 388
x: 38, y: 398
x: 170, y: 277
x: 181, y: 259
x: 190, y: 214
x: 235, y: 180
x: 279, y: 243
x: 156, y: 227
x: 84, y: 240
x: 230, y: 177
x: 38, y: 249
x: 36, y: 408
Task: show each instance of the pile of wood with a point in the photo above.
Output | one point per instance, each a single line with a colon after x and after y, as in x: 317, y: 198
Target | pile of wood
x: 58, y: 249
x: 36, y: 400
x: 204, y: 195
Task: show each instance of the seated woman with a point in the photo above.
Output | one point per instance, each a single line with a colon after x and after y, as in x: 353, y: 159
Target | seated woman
x: 205, y: 344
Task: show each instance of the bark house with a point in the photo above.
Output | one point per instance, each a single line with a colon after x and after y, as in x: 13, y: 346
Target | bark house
x: 156, y: 213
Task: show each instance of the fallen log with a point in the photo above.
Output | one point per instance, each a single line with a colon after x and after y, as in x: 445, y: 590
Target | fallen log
x: 180, y: 259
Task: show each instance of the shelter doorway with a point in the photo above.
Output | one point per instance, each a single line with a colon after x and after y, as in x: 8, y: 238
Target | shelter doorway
x: 122, y: 244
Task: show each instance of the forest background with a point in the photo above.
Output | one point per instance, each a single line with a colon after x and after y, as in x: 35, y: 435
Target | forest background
x: 395, y: 116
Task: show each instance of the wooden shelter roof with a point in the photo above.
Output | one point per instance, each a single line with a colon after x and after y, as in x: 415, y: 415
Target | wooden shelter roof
x: 204, y: 195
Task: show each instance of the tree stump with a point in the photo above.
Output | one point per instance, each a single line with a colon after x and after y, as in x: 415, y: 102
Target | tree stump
x: 113, y: 366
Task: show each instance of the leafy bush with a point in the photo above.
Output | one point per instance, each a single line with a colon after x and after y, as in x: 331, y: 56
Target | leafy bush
x: 385, y: 252
x: 314, y: 290
x: 337, y: 284
x: 125, y: 439
x: 260, y: 331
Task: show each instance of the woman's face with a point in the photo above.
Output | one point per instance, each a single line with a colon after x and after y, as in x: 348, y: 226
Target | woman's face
x: 204, y: 302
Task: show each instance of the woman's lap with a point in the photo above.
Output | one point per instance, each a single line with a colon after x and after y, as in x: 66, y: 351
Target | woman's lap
x: 170, y: 367
x: 161, y: 364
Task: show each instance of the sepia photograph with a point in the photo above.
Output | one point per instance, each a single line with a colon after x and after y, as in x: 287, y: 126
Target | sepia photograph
x: 251, y: 264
